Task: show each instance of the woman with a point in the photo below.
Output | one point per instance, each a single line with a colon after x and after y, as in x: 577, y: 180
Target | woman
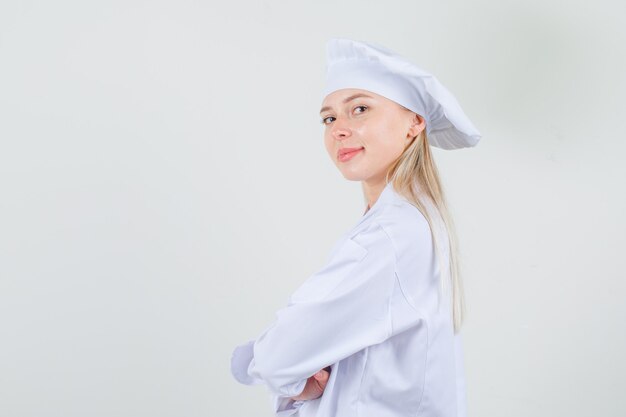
x: 375, y: 332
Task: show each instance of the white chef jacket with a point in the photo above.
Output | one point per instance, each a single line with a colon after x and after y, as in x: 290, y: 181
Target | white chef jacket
x: 372, y: 314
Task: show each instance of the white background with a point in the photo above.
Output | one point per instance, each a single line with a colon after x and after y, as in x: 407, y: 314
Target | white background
x: 164, y: 188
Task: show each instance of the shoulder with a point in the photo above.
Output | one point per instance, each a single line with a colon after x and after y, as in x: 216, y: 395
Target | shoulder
x: 399, y: 229
x: 405, y: 226
x: 373, y: 239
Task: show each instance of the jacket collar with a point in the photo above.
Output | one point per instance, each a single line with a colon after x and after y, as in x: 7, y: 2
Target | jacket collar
x: 386, y: 197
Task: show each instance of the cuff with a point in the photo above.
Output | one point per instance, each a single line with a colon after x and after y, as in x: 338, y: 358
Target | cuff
x: 285, y: 406
x: 240, y: 362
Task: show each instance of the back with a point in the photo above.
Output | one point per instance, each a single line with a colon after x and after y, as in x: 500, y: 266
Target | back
x: 373, y: 313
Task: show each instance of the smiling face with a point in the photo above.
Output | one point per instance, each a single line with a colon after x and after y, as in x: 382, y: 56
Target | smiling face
x: 374, y: 127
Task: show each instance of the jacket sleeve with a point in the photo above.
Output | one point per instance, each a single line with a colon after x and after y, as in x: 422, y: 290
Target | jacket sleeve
x: 338, y: 311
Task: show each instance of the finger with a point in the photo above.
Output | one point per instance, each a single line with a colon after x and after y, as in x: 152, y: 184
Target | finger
x: 321, y: 375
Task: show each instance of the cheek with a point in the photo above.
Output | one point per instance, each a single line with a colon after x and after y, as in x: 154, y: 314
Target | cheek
x: 385, y: 144
x: 328, y: 144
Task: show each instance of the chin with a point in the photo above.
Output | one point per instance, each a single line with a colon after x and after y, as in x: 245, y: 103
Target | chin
x: 352, y: 176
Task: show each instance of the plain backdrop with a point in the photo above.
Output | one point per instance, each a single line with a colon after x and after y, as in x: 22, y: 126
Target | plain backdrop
x: 164, y: 189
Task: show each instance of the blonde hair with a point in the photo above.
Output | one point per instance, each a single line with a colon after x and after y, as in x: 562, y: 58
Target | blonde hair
x: 415, y: 177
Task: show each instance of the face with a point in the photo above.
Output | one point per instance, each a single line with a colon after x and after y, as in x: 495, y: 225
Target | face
x: 374, y: 127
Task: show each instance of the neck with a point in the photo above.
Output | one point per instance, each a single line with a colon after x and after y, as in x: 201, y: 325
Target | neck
x: 371, y: 192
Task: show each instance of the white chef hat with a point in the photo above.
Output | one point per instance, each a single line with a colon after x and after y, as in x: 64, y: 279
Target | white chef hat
x: 372, y: 67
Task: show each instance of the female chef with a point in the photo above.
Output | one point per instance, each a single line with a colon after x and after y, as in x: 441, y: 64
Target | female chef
x: 375, y: 331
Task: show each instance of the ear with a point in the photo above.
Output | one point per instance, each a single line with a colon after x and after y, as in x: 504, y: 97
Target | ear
x: 417, y: 124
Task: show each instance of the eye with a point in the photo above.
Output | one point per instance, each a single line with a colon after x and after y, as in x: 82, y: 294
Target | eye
x: 363, y: 108
x: 326, y: 120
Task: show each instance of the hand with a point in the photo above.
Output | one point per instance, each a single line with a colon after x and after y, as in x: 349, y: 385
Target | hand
x: 315, y: 385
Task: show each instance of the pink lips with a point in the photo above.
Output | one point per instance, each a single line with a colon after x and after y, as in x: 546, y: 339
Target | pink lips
x: 346, y: 154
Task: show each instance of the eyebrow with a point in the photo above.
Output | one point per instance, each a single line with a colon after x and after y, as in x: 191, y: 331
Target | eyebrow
x: 347, y: 99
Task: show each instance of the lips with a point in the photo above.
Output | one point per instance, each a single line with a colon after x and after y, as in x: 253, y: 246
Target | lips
x: 343, y: 151
x: 345, y: 154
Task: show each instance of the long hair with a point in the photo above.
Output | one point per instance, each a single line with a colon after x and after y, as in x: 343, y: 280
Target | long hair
x: 415, y: 176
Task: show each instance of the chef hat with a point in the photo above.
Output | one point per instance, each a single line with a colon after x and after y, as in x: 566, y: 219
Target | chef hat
x: 367, y: 66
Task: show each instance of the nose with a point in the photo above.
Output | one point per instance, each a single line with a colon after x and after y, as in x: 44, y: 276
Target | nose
x: 340, y: 130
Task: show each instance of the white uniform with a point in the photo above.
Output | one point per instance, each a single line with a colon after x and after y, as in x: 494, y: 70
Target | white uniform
x: 372, y: 314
